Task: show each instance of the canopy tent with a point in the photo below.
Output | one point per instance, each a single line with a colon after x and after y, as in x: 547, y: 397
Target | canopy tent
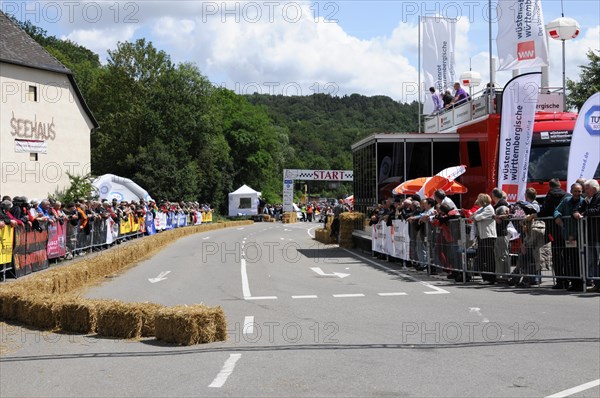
x: 110, y: 186
x: 243, y: 202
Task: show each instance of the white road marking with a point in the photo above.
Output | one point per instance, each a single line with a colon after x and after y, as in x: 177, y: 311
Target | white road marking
x: 206, y: 237
x: 310, y: 229
x: 261, y: 298
x: 575, y: 390
x: 348, y: 295
x: 248, y: 325
x: 392, y: 294
x: 161, y: 277
x: 226, y: 371
x: 429, y: 285
x: 245, y: 285
x: 320, y: 272
x: 239, y: 229
x: 305, y: 296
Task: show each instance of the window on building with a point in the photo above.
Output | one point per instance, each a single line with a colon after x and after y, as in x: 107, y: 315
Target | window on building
x: 32, y: 94
x: 33, y: 157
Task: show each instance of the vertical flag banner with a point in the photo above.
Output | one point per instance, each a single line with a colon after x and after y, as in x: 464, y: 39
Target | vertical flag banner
x: 439, y: 37
x: 521, y: 39
x: 584, y: 154
x: 519, y: 100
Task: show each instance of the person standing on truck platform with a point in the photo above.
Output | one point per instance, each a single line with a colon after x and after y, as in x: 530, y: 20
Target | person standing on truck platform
x: 460, y: 96
x: 437, y: 101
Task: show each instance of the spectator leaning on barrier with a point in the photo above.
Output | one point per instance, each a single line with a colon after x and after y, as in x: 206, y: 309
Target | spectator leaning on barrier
x: 552, y: 232
x: 486, y: 236
x: 536, y: 254
x: 501, y: 245
x: 568, y: 241
x: 441, y: 198
x: 590, y: 209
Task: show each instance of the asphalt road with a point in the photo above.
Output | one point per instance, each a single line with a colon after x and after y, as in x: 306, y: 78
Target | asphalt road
x: 306, y: 319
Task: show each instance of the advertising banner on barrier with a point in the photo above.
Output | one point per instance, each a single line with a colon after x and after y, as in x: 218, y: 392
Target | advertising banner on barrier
x: 29, y: 252
x: 57, y: 240
x: 521, y: 39
x: 388, y: 244
x: 439, y: 37
x: 181, y: 220
x: 584, y: 155
x: 169, y: 223
x: 7, y: 235
x: 401, y: 240
x: 150, y: 224
x: 111, y: 230
x: 125, y: 226
x: 519, y: 99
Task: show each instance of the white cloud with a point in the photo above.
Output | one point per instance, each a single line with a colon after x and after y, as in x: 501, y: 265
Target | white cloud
x: 100, y: 40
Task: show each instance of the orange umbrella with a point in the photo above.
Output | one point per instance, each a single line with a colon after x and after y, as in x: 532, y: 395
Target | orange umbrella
x: 430, y: 185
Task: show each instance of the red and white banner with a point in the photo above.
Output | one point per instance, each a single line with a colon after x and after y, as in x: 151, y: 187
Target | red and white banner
x: 439, y: 37
x: 584, y: 155
x: 521, y: 39
x: 30, y: 146
x: 519, y: 100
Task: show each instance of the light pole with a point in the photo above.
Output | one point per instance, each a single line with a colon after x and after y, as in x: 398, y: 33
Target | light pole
x: 563, y: 29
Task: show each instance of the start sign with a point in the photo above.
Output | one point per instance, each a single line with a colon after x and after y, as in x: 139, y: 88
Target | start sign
x: 289, y: 175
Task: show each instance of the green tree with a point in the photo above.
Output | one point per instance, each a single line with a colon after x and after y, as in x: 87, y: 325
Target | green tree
x: 588, y: 84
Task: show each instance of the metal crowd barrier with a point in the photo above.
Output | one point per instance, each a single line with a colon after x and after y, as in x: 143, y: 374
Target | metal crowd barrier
x: 25, y: 250
x: 528, y: 253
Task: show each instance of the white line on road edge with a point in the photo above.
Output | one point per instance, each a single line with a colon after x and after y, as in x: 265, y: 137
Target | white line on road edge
x: 310, y: 229
x: 429, y: 285
x: 305, y: 297
x: 392, y: 294
x: 226, y: 371
x: 348, y: 295
x: 248, y: 325
x: 245, y: 286
x: 575, y: 390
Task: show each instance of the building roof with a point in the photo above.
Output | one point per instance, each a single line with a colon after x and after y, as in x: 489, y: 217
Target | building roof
x: 18, y: 48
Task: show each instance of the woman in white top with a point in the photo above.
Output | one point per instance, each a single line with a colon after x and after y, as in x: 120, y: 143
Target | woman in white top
x: 486, y: 236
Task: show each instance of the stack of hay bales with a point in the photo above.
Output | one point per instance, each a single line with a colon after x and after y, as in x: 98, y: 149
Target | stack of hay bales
x: 289, y: 217
x: 347, y: 222
x: 322, y: 235
x: 46, y: 300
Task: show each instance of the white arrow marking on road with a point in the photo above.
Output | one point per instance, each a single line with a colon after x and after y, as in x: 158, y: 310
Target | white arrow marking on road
x: 320, y: 272
x: 160, y: 277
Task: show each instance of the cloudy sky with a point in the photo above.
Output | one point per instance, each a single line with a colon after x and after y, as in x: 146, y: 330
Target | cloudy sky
x: 300, y: 47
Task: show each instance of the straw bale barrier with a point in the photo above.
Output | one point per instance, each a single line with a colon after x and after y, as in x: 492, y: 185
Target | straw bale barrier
x: 323, y: 236
x: 188, y: 325
x: 347, y: 223
x: 47, y: 300
x: 289, y: 217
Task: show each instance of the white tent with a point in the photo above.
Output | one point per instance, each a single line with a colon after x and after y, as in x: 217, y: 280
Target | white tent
x: 243, y: 202
x: 110, y: 187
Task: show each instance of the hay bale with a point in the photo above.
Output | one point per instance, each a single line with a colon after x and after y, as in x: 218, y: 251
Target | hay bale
x: 220, y: 323
x: 37, y: 311
x: 77, y: 316
x: 8, y: 303
x: 120, y: 320
x: 149, y: 311
x: 189, y: 325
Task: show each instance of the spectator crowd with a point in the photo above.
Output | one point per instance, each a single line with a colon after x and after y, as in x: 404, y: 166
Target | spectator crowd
x: 509, y: 244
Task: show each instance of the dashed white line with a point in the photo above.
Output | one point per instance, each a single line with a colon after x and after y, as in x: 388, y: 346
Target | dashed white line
x: 206, y: 237
x: 575, y: 390
x: 245, y: 285
x: 348, y: 295
x: 226, y: 371
x: 260, y: 298
x: 248, y: 325
x: 307, y: 296
x: 392, y: 294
